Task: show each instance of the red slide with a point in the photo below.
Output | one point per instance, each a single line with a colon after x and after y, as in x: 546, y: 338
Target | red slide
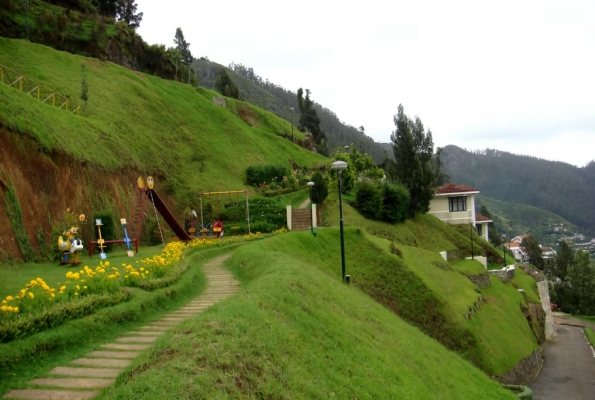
x: 168, y: 216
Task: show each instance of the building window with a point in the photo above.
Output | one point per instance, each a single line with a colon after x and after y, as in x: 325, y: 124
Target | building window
x: 479, y: 229
x: 457, y: 203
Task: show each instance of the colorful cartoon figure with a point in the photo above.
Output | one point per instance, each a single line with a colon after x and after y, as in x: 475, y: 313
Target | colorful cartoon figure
x: 72, y: 245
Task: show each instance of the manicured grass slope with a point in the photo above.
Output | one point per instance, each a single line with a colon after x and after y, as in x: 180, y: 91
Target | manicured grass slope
x: 140, y: 121
x: 296, y: 332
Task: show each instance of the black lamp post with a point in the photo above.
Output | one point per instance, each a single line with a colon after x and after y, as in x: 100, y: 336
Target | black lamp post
x: 472, y: 253
x: 311, y: 185
x: 339, y: 166
x: 291, y: 124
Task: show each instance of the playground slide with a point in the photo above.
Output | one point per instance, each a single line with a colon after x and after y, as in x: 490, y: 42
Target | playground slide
x: 168, y: 216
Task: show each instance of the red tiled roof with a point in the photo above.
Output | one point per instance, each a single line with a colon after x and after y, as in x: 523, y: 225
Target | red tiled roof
x: 482, y: 218
x: 454, y: 188
x: 513, y: 245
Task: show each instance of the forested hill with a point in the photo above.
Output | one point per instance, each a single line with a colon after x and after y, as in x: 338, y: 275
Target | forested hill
x: 554, y: 186
x: 278, y: 100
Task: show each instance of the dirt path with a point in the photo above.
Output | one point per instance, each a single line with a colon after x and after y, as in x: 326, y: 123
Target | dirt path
x: 82, y: 378
x: 305, y: 203
x: 569, y: 367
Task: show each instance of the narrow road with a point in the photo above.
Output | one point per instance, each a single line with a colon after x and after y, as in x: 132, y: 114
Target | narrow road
x: 569, y: 367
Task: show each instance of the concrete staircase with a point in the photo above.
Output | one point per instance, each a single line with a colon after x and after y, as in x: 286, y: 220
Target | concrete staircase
x: 82, y: 378
x: 300, y: 219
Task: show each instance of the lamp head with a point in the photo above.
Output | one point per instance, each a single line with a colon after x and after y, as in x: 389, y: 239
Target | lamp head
x: 310, y: 184
x: 339, y: 165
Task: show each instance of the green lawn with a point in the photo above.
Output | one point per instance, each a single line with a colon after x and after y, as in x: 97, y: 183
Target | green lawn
x: 295, y: 331
x: 524, y: 281
x: 15, y: 277
x: 469, y: 267
x: 295, y: 199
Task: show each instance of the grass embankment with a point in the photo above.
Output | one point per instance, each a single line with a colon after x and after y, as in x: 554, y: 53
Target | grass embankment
x: 524, y: 281
x: 295, y: 331
x: 448, y: 294
x: 24, y: 359
x: 590, y: 334
x: 143, y: 122
x: 469, y: 267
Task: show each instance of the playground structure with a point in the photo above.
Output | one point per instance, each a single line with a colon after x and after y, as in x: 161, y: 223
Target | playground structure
x: 219, y: 228
x: 71, y: 246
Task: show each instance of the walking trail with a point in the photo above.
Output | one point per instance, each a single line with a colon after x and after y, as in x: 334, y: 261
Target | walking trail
x: 304, y: 204
x: 84, y: 377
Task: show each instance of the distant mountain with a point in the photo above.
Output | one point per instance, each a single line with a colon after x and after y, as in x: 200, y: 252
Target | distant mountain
x: 558, y: 187
x: 545, y: 226
x: 278, y: 100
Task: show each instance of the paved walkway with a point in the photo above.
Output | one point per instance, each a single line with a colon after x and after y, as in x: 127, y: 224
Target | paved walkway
x: 82, y: 378
x: 569, y: 367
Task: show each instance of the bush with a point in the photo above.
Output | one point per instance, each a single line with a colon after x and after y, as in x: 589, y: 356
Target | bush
x: 259, y: 174
x: 107, y: 229
x: 320, y: 189
x: 369, y: 200
x: 396, y: 203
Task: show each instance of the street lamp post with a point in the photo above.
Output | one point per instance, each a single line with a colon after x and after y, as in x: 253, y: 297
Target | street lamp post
x: 472, y: 253
x: 291, y: 124
x: 339, y: 166
x: 311, y: 185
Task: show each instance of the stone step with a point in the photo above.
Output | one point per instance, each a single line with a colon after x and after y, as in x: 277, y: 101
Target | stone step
x: 122, y: 346
x: 188, y: 314
x: 102, y: 362
x: 172, y: 319
x: 45, y: 394
x: 146, y: 333
x: 89, y: 372
x: 155, y: 328
x: 136, y: 339
x: 79, y: 383
x: 164, y: 323
x: 113, y: 354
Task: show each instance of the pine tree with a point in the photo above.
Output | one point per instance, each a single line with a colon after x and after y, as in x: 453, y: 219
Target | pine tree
x: 563, y: 261
x: 534, y: 252
x: 127, y: 13
x: 183, y: 47
x: 310, y: 122
x: 225, y: 85
x: 413, y: 149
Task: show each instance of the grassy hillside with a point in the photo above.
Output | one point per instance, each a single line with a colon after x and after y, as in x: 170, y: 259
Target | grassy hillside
x: 524, y: 218
x: 296, y: 332
x: 142, y: 122
x: 437, y: 295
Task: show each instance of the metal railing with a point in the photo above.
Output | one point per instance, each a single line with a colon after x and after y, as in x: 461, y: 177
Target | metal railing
x: 40, y: 92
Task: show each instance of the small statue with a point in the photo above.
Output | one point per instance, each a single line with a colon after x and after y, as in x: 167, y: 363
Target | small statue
x: 73, y: 245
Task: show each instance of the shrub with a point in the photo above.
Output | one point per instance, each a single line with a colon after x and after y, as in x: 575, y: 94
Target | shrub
x: 396, y: 203
x: 107, y: 229
x: 320, y: 189
x: 369, y: 199
x: 259, y: 174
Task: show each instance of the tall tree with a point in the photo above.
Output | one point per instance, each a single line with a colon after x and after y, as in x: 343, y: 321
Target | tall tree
x: 533, y: 251
x: 109, y: 8
x: 127, y: 12
x: 563, y: 262
x: 413, y: 148
x: 581, y: 277
x: 183, y: 47
x: 310, y: 122
x: 225, y: 85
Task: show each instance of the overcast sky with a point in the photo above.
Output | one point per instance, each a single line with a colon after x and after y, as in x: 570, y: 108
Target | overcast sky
x: 511, y: 75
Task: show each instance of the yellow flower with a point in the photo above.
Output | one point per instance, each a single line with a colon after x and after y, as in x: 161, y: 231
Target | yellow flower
x: 10, y: 309
x: 77, y: 287
x: 76, y: 294
x: 84, y: 287
x: 107, y: 263
x: 8, y: 298
x: 63, y: 288
x: 3, y: 308
x: 52, y: 295
x: 31, y: 295
x: 4, y: 302
x: 61, y: 292
x: 15, y: 309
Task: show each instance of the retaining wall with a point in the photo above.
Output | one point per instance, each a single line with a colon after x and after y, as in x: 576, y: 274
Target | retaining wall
x: 525, y: 371
x: 481, y: 280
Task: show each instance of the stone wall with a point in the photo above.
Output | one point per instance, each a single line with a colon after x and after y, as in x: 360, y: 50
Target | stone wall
x: 544, y: 296
x: 476, y: 306
x: 524, y: 372
x: 481, y: 280
x: 505, y: 274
